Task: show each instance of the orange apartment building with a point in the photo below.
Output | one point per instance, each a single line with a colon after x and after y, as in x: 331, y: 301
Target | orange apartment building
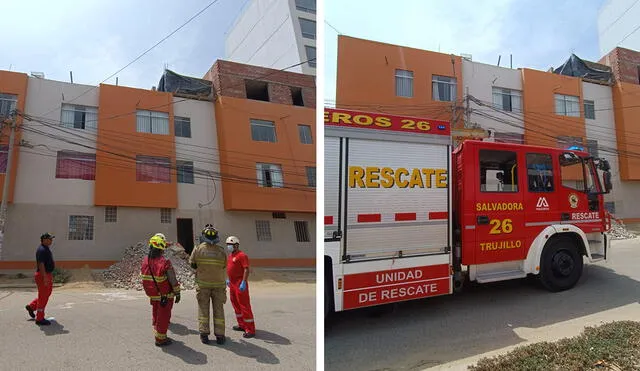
x: 549, y: 108
x: 105, y: 167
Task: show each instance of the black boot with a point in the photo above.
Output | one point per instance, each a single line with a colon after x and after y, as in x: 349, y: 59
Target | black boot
x: 238, y: 328
x: 44, y: 322
x: 220, y: 339
x: 31, y: 312
x: 164, y: 342
x: 204, y: 338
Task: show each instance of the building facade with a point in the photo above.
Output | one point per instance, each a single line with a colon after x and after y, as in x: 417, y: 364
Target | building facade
x: 275, y: 34
x: 106, y: 167
x: 512, y: 105
x: 618, y: 25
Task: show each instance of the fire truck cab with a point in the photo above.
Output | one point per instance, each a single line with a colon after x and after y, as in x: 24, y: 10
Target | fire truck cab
x: 408, y: 217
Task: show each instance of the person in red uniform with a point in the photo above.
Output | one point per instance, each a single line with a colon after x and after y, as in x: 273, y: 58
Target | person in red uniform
x: 238, y: 273
x: 161, y: 286
x: 44, y: 279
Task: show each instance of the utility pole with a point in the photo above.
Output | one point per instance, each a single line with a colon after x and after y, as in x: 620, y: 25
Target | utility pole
x: 7, y: 178
x: 467, y: 124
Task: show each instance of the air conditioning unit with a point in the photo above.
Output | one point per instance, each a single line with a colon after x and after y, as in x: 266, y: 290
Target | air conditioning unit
x: 39, y: 75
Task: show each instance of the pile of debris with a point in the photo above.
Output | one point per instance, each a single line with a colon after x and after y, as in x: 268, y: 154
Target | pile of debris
x: 125, y: 274
x: 618, y: 231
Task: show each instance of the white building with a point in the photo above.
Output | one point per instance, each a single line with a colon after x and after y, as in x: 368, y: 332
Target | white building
x: 618, y: 25
x: 275, y: 34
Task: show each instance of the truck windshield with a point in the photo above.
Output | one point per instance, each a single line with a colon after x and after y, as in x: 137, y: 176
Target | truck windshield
x: 577, y: 173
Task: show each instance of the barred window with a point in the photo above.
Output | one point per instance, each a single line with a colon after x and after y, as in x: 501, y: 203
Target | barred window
x: 165, y: 216
x: 80, y: 227
x: 263, y: 230
x: 302, y: 231
x: 111, y: 214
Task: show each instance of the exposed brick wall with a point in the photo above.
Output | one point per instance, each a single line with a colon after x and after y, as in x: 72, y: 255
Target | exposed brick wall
x: 280, y: 94
x: 624, y: 63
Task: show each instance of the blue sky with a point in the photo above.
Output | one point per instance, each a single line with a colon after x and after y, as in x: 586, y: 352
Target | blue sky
x: 540, y: 34
x: 96, y: 38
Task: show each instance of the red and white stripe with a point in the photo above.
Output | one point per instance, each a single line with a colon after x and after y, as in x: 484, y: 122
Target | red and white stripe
x: 394, y: 217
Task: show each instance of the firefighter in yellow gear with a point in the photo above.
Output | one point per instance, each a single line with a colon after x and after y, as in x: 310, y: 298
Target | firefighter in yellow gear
x: 210, y: 262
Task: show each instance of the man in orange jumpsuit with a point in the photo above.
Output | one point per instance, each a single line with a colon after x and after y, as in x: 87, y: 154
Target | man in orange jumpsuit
x: 161, y: 286
x: 238, y: 272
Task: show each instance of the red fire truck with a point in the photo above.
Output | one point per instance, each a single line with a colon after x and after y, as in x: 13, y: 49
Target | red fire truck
x: 409, y: 217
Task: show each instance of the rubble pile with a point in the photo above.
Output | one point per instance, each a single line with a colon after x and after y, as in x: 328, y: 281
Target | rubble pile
x: 125, y: 274
x: 618, y: 231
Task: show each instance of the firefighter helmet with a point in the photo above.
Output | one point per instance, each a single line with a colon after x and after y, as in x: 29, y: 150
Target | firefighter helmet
x: 232, y: 240
x: 157, y: 242
x: 161, y: 236
x: 210, y: 234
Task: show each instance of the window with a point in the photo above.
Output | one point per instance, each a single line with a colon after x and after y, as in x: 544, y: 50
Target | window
x: 592, y: 147
x: 152, y: 122
x: 498, y: 171
x: 311, y: 55
x: 263, y: 131
x: 165, y: 216
x: 296, y: 97
x: 75, y: 165
x: 185, y: 172
x: 589, y: 110
x: 567, y: 105
x: 79, y: 117
x: 311, y: 176
x: 507, y: 99
x: 153, y: 169
x: 404, y: 83
x: 4, y: 156
x: 257, y: 90
x: 279, y: 215
x: 444, y: 88
x: 571, y: 172
x: 111, y: 214
x: 302, y: 231
x: 269, y: 175
x: 308, y: 6
x: 182, y: 127
x: 7, y: 104
x: 263, y: 230
x: 305, y: 134
x: 539, y: 172
x: 80, y: 227
x: 308, y: 28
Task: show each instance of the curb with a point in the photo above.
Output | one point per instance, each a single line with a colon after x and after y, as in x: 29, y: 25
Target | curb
x: 24, y: 286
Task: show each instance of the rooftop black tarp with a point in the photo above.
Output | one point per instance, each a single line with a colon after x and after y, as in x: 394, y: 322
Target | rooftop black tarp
x: 577, y: 67
x: 171, y: 82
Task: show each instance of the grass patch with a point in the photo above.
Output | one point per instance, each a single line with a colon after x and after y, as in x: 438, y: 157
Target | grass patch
x: 61, y: 275
x: 611, y: 346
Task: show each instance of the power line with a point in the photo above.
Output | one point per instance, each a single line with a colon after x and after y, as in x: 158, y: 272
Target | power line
x: 335, y: 29
x: 617, y: 19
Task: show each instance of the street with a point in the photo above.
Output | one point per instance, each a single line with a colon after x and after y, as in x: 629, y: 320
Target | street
x: 453, y: 332
x: 105, y: 329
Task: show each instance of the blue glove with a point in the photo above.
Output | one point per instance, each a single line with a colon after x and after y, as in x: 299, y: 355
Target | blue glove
x: 227, y: 282
x: 243, y: 286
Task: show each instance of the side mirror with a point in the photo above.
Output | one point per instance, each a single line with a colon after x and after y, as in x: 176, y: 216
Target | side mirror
x: 606, y: 181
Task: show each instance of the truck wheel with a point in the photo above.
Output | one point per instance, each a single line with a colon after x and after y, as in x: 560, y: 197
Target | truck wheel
x: 561, y: 264
x: 326, y: 302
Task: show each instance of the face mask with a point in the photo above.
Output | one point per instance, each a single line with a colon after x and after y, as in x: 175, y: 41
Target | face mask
x: 230, y: 248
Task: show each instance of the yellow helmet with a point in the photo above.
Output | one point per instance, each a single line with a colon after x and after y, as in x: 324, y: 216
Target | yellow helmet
x: 157, y: 242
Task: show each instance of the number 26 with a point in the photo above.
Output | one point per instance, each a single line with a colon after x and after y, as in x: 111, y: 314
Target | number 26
x: 504, y: 226
x: 411, y: 125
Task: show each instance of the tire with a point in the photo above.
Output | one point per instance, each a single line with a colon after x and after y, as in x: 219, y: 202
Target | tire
x: 561, y: 264
x: 326, y: 301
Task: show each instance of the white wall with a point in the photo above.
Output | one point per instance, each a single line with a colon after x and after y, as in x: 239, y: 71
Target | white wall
x: 264, y: 35
x: 480, y: 79
x: 301, y: 41
x: 36, y: 181
x: 612, y: 30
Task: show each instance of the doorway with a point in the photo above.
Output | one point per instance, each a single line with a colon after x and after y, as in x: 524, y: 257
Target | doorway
x: 185, y: 234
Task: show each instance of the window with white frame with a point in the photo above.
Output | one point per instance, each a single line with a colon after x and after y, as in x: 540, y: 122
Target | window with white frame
x: 7, y: 104
x: 444, y: 88
x: 507, y: 99
x: 184, y: 170
x: 152, y: 122
x: 589, y: 109
x: 111, y: 214
x: 263, y: 131
x: 80, y: 228
x: 153, y: 169
x: 79, y: 117
x: 567, y: 105
x: 263, y: 230
x: 404, y: 83
x: 75, y: 165
x: 308, y: 28
x: 304, y: 132
x: 165, y: 216
x: 311, y: 176
x: 182, y: 127
x: 311, y: 55
x: 308, y: 6
x: 269, y: 175
x: 302, y: 231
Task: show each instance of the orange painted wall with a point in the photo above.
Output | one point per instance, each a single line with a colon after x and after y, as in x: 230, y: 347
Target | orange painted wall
x: 542, y: 125
x: 366, y: 78
x: 13, y: 83
x: 116, y: 183
x: 239, y: 155
x: 626, y: 103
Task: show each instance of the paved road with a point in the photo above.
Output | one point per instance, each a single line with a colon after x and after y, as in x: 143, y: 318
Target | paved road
x: 111, y: 330
x: 454, y: 331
